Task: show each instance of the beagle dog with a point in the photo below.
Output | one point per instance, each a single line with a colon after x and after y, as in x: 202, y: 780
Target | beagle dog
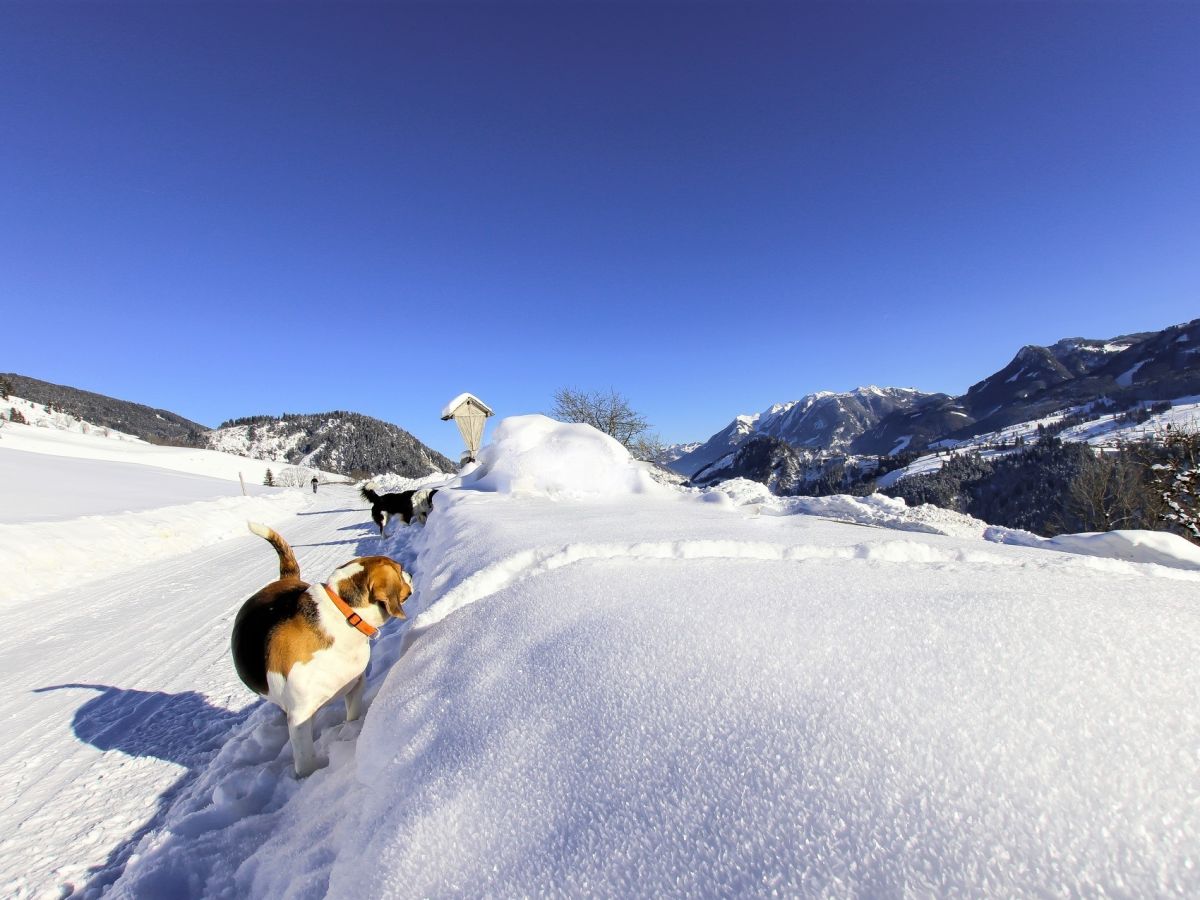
x: 301, y: 645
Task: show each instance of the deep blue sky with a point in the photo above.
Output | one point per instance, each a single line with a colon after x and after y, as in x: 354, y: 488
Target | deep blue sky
x: 231, y: 209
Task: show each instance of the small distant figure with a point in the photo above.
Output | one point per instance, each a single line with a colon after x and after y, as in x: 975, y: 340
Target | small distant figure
x: 314, y: 484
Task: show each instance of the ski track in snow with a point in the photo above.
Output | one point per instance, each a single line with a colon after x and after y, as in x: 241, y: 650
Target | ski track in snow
x: 134, y: 691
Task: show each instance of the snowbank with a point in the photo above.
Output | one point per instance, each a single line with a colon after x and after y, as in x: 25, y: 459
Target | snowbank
x: 1157, y: 547
x: 537, y: 455
x: 42, y: 557
x: 876, y: 510
x: 880, y: 511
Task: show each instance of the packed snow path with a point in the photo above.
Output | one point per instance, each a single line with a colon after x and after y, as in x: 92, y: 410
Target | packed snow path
x: 116, y: 694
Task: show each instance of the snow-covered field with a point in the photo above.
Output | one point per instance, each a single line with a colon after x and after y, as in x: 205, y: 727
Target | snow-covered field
x: 611, y: 687
x: 78, y: 502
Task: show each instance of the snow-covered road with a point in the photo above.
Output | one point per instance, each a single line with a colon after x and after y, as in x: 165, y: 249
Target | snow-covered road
x: 116, y: 694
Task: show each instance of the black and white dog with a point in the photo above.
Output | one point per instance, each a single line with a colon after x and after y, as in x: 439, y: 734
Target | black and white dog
x: 409, y: 506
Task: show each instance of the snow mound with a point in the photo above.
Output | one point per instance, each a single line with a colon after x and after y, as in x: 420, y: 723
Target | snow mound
x: 537, y: 455
x: 743, y: 492
x: 881, y: 511
x: 877, y: 510
x: 1158, y: 547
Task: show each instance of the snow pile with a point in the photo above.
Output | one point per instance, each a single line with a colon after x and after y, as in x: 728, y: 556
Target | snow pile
x: 1157, y: 547
x: 42, y: 557
x: 880, y: 511
x: 537, y: 455
x: 876, y: 510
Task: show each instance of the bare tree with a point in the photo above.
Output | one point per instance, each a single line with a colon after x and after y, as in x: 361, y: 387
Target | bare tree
x: 1110, y: 491
x: 294, y: 476
x: 610, y: 412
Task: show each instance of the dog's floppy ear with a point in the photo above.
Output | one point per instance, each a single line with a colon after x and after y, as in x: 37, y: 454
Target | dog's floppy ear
x: 389, y: 584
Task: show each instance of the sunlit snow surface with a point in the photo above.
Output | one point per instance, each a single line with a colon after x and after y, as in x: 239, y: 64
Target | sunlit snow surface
x: 622, y: 692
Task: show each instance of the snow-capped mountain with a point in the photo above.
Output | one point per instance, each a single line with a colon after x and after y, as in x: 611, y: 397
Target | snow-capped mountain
x: 717, y: 447
x: 339, y: 441
x: 1039, y: 381
x: 672, y: 452
x: 823, y: 421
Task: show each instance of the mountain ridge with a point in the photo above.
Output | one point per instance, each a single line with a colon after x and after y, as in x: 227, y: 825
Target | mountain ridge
x: 1038, y: 380
x: 339, y: 441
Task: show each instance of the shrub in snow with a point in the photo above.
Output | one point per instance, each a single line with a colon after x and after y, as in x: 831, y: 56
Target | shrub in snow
x: 537, y: 455
x: 15, y: 415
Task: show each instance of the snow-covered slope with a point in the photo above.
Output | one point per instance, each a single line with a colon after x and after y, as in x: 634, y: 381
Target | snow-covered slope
x: 611, y: 687
x: 1105, y: 430
x: 100, y: 411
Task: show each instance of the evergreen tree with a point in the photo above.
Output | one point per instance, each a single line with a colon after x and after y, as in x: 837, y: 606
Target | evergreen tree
x: 269, y: 479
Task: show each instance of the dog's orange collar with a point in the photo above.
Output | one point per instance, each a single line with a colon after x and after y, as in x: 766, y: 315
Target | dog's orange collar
x: 348, y: 611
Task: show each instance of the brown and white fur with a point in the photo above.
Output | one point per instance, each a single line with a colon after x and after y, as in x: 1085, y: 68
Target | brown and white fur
x: 292, y: 645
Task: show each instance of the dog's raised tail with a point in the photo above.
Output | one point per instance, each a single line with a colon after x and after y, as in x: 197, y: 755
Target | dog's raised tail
x: 288, y: 567
x: 368, y: 492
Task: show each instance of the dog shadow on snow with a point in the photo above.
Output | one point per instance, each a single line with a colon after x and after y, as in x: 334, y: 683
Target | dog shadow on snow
x: 363, y: 532
x: 184, y: 729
